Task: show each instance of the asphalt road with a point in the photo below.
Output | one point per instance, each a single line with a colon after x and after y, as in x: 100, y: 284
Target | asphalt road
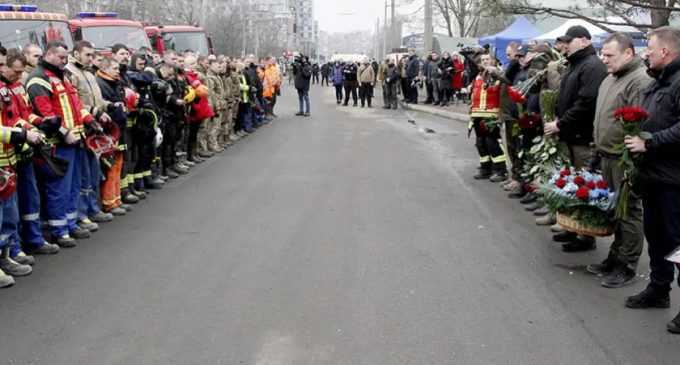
x: 351, y: 237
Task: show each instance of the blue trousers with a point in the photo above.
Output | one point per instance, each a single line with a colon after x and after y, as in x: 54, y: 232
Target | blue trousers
x: 303, y: 98
x: 10, y: 225
x: 246, y: 117
x: 90, y: 178
x: 29, y: 205
x: 62, y: 193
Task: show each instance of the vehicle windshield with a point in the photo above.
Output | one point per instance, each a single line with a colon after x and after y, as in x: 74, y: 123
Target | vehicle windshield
x: 182, y: 41
x: 18, y: 33
x: 107, y: 36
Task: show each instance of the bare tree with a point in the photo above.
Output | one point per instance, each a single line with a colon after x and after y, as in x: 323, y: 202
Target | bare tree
x: 620, y: 12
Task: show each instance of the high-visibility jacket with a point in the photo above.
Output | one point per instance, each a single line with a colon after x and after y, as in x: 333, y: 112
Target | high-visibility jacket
x: 20, y: 96
x: 11, y: 123
x: 245, y: 89
x: 272, y: 81
x: 55, y: 99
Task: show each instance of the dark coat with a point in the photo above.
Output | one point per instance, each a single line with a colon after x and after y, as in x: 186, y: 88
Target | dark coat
x: 661, y: 163
x: 578, y: 96
x: 303, y: 75
x: 412, y: 67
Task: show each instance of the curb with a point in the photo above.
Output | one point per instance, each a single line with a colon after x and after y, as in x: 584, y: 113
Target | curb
x: 440, y: 113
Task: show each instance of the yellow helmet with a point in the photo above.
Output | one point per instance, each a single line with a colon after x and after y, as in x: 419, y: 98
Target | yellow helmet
x: 190, y: 95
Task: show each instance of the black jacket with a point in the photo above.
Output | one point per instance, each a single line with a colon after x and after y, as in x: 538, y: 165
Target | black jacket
x: 303, y: 74
x: 446, y: 69
x: 412, y: 67
x: 661, y: 163
x: 350, y: 72
x: 578, y: 96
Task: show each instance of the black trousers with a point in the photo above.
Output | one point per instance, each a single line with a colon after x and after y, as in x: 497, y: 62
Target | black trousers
x: 491, y: 155
x: 315, y: 78
x: 429, y: 88
x: 661, y: 205
x: 351, y: 87
x: 338, y: 92
x: 168, y: 151
x: 366, y: 93
x: 192, y: 139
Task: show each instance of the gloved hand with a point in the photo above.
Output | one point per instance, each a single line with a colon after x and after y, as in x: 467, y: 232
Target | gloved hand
x: 158, y: 140
x: 34, y: 137
x: 71, y: 137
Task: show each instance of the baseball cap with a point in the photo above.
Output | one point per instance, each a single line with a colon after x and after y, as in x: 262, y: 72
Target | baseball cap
x: 576, y: 31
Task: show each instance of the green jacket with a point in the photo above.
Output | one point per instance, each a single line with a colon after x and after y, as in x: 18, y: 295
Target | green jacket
x: 623, y: 88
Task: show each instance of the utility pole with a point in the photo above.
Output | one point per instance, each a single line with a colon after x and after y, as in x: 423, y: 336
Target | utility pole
x: 428, y: 27
x: 384, y: 53
x: 393, y: 26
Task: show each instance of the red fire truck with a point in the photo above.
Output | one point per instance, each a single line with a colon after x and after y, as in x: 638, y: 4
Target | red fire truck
x: 23, y: 24
x: 179, y: 38
x: 104, y: 29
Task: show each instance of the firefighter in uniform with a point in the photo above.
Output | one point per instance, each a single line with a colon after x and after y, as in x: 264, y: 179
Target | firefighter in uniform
x: 14, y: 132
x: 487, y: 90
x: 83, y: 80
x: 30, y: 236
x: 63, y: 120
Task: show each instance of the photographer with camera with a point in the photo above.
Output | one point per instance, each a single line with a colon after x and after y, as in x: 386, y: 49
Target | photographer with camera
x: 302, y: 70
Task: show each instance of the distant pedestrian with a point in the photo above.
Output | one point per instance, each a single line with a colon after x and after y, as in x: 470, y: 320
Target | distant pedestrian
x: 366, y: 80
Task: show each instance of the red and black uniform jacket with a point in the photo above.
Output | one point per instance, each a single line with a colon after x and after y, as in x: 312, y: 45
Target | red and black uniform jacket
x: 56, y: 101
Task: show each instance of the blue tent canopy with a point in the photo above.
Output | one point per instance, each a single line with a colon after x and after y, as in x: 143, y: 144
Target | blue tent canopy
x: 520, y: 30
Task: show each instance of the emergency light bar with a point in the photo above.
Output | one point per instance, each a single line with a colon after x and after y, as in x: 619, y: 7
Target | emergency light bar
x: 19, y: 8
x: 96, y: 14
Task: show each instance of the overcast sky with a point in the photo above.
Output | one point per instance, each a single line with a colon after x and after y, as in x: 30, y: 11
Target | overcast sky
x: 350, y: 15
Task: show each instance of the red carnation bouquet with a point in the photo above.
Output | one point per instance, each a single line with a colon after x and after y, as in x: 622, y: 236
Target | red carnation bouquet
x: 631, y: 118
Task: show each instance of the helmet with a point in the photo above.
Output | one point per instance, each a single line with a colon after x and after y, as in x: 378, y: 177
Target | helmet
x: 159, y: 89
x: 190, y: 95
x: 8, y: 183
x: 100, y: 145
x: 131, y: 99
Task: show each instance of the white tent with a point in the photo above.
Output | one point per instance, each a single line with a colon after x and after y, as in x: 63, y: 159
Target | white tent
x: 595, y: 31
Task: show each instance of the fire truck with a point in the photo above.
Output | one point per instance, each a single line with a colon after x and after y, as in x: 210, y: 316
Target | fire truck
x: 24, y: 24
x: 104, y: 29
x: 179, y: 38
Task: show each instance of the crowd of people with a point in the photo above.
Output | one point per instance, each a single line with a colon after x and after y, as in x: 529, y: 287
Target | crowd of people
x: 87, y: 135
x: 507, y: 115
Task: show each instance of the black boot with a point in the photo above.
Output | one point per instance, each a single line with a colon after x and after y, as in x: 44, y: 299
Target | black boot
x: 482, y: 174
x: 649, y: 298
x: 674, y: 325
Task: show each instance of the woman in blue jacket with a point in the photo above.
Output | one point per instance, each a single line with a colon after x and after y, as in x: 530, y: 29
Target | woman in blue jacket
x: 338, y: 79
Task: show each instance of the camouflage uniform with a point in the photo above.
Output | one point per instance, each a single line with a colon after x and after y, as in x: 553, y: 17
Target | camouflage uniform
x: 225, y: 130
x: 236, y: 100
x: 216, y: 98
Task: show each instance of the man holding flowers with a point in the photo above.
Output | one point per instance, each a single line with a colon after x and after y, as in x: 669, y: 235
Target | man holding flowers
x: 659, y: 170
x: 620, y: 91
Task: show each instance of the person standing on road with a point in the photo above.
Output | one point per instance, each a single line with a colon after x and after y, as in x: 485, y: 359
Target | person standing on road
x: 303, y: 75
x: 350, y: 82
x: 338, y: 79
x: 315, y: 73
x: 660, y: 169
x: 366, y: 78
x: 325, y: 72
x: 392, y: 79
x: 623, y: 87
x: 446, y: 82
x: 381, y: 77
x: 576, y: 111
x: 412, y: 72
